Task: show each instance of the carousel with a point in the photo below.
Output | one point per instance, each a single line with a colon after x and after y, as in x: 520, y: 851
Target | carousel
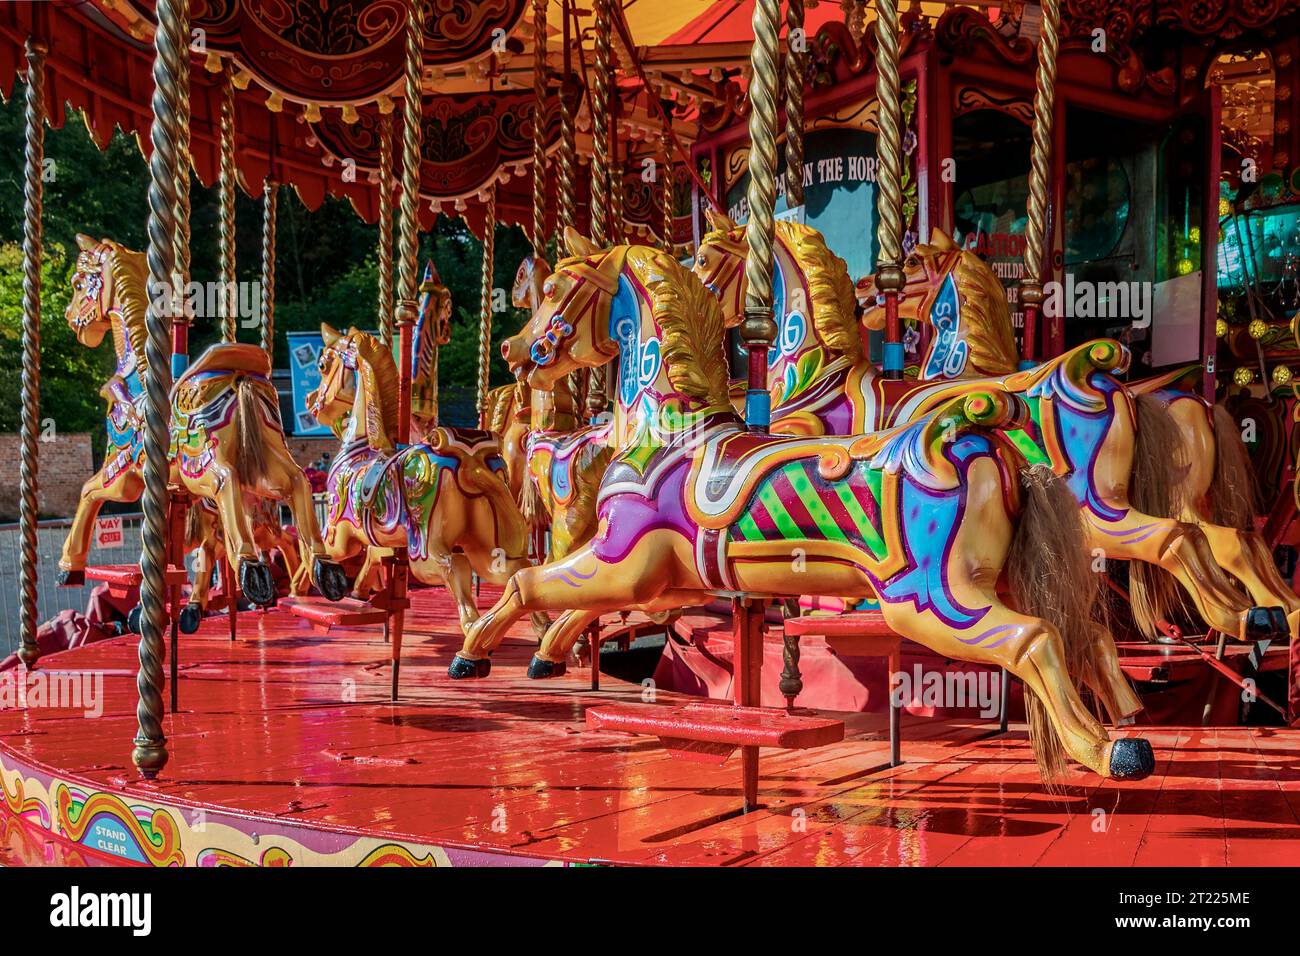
x: 915, y: 382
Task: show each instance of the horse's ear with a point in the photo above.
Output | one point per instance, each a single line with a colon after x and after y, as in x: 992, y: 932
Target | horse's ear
x: 329, y: 334
x: 718, y: 220
x: 941, y: 240
x: 85, y: 243
x: 578, y: 244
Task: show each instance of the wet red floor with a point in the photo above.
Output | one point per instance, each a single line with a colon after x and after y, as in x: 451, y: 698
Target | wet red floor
x: 293, y: 728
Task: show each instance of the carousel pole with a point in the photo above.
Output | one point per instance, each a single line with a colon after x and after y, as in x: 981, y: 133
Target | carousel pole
x: 270, y: 189
x: 407, y: 306
x: 485, y: 311
x: 33, y: 197
x: 1040, y: 162
x: 602, y: 179
x: 889, y: 166
x: 567, y: 200
x: 669, y: 219
x: 386, y: 227
x: 759, y: 332
x: 171, y: 42
x: 227, y: 184
x: 796, y: 66
x: 539, y: 137
x: 182, y: 319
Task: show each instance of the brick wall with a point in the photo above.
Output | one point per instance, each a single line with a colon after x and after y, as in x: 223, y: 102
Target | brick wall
x: 64, y: 465
x: 307, y: 451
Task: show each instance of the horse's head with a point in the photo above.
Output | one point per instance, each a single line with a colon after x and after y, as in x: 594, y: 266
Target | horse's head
x: 956, y: 293
x: 569, y: 328
x: 529, y: 278
x: 105, y: 273
x: 720, y: 264
x: 337, y: 363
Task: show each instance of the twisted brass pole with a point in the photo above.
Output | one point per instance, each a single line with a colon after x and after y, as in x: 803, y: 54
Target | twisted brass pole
x: 539, y: 130
x: 668, y: 196
x: 1031, y: 286
x: 230, y: 323
x: 485, y: 313
x: 408, y: 210
x: 602, y: 183
x: 270, y: 189
x: 758, y: 328
x: 889, y: 182
x: 796, y: 65
x: 171, y: 60
x: 386, y: 228
x: 600, y: 104
x: 28, y: 469
x: 567, y: 201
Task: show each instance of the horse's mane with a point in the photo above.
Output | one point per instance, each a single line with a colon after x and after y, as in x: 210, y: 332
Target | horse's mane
x: 834, y: 312
x: 690, y: 323
x: 985, y: 315
x: 382, y: 370
x: 129, y: 270
x: 426, y: 342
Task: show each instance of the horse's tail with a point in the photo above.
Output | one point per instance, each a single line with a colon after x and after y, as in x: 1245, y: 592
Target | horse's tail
x: 250, y: 462
x: 1234, y: 495
x: 1155, y: 488
x: 1051, y: 577
x: 476, y: 478
x: 532, y: 504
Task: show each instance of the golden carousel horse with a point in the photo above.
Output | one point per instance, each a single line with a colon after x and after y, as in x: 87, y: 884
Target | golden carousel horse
x: 444, y: 499
x: 1083, y: 417
x: 926, y: 516
x: 227, y: 442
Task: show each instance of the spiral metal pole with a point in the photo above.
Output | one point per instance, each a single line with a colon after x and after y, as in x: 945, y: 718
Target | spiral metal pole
x: 889, y: 182
x: 408, y: 212
x: 182, y: 318
x: 600, y: 106
x: 386, y: 229
x: 567, y: 200
x: 796, y: 66
x: 539, y: 132
x: 171, y: 54
x: 758, y: 328
x: 668, y: 196
x: 270, y: 190
x: 227, y: 184
x: 33, y: 197
x: 1031, y: 286
x: 485, y: 312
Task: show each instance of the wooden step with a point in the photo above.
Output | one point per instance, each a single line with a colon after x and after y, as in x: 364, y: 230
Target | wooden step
x: 346, y: 613
x: 855, y: 632
x: 130, y: 575
x: 711, y: 731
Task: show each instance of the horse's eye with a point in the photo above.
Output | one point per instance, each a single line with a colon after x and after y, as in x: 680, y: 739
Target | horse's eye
x: 911, y: 263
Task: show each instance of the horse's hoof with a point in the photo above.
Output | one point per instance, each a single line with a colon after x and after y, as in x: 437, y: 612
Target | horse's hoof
x: 331, y: 579
x: 71, y: 579
x: 1131, y: 758
x: 133, y: 619
x: 257, y: 582
x: 539, y: 669
x: 1266, y: 623
x: 463, y: 669
x: 190, y: 618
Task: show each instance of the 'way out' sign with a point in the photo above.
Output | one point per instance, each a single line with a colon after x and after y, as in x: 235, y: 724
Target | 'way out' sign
x: 108, y: 532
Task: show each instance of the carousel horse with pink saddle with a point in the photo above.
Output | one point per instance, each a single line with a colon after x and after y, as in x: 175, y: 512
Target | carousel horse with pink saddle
x: 930, y: 516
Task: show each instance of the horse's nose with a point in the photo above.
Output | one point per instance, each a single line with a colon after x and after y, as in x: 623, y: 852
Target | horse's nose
x: 514, y: 351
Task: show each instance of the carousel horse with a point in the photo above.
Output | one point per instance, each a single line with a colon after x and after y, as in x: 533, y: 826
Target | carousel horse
x: 204, y: 538
x: 926, y: 516
x: 226, y: 441
x: 444, y: 499
x: 432, y: 330
x: 564, y: 463
x: 1190, y: 466
x: 1083, y: 418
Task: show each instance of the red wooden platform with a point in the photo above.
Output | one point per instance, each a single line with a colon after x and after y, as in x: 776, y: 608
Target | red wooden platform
x: 286, y: 750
